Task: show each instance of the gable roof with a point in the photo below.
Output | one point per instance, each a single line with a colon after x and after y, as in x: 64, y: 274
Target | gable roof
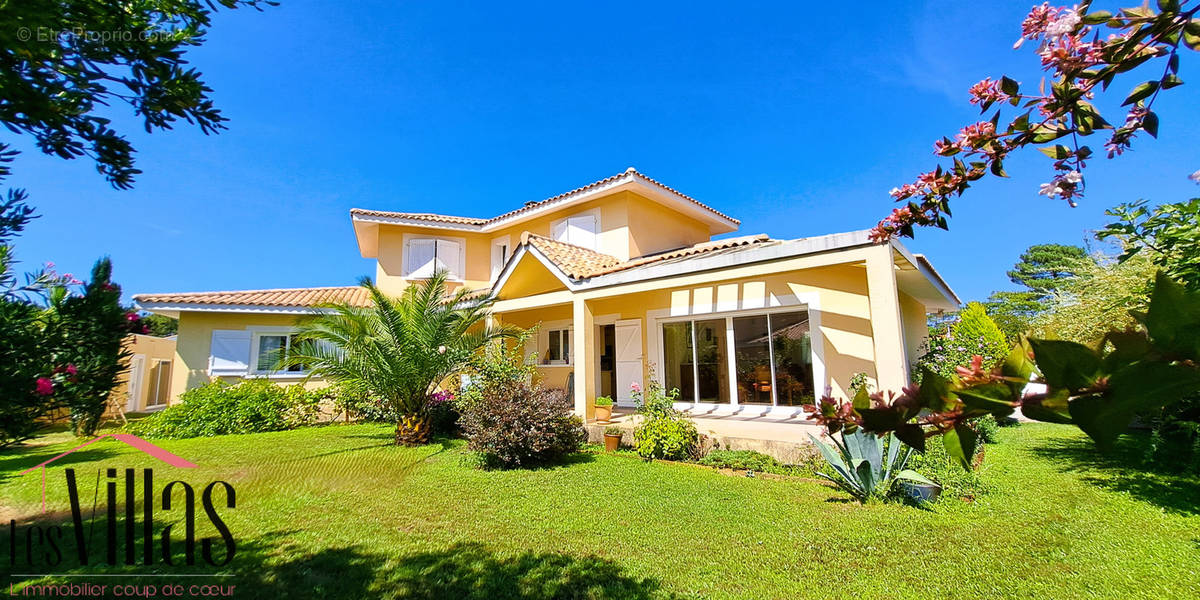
x: 581, y: 268
x: 577, y: 263
x: 717, y: 221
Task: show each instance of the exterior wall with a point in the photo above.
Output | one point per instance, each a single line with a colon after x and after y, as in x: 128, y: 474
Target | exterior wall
x: 195, y: 338
x: 655, y: 228
x: 916, y: 330
x: 836, y: 296
x: 553, y: 376
x: 150, y: 348
x: 630, y: 226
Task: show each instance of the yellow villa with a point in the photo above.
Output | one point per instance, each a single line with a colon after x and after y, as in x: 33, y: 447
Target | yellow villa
x: 627, y: 280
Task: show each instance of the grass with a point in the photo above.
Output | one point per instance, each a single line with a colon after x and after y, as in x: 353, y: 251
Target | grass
x: 337, y: 512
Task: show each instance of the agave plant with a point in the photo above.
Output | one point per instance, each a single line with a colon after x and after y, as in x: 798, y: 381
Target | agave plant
x: 867, y: 465
x: 399, y: 349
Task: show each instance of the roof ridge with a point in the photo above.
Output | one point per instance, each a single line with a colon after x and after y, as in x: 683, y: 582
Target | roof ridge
x: 630, y: 172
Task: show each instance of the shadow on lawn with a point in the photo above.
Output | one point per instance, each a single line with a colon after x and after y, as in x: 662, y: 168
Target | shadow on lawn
x: 1124, y: 470
x: 273, y: 567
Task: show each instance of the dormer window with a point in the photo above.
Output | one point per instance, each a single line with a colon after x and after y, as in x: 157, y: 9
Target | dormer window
x: 426, y: 255
x: 579, y: 230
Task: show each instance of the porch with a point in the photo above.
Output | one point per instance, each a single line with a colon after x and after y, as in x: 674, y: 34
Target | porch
x: 784, y: 438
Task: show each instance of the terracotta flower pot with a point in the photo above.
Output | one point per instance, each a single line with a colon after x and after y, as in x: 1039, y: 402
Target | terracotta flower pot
x: 604, y: 413
x: 611, y: 442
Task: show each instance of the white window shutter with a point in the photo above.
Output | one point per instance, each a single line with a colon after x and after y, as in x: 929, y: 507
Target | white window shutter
x: 229, y: 353
x: 420, y: 257
x: 448, y: 254
x: 558, y: 230
x: 582, y: 231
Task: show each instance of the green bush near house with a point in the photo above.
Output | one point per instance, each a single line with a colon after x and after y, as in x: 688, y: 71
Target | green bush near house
x: 666, y: 438
x: 603, y: 401
x: 957, y: 483
x: 220, y: 408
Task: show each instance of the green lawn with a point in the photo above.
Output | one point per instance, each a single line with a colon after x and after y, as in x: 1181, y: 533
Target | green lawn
x: 336, y: 512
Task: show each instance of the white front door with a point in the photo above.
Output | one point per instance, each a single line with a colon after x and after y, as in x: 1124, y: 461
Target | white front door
x: 628, y: 342
x: 137, y: 366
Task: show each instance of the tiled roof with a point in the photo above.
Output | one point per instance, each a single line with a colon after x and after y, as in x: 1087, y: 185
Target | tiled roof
x: 574, y: 261
x: 581, y: 263
x: 418, y: 216
x: 688, y: 251
x: 629, y: 174
x: 296, y: 297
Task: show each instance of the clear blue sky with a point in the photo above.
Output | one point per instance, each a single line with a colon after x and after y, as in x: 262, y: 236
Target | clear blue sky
x: 794, y: 118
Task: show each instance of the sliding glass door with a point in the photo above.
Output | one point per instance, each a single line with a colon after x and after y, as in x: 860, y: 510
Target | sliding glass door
x: 771, y: 356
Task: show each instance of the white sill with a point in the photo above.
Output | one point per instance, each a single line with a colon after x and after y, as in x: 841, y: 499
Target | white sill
x: 448, y: 279
x: 286, y: 375
x: 551, y: 365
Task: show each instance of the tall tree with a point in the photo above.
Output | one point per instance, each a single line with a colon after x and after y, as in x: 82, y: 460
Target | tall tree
x: 1044, y: 268
x: 1041, y: 270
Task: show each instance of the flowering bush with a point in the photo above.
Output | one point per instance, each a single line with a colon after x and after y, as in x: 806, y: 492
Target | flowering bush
x: 88, y: 330
x: 1083, y: 63
x: 973, y: 334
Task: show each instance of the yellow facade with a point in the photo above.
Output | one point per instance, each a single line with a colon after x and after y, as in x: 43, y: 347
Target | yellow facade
x: 194, y: 345
x: 866, y: 304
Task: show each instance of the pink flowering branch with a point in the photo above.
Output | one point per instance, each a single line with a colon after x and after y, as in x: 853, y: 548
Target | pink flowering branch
x: 1083, y: 65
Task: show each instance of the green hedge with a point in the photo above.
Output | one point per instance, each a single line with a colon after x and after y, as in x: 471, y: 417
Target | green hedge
x: 220, y: 408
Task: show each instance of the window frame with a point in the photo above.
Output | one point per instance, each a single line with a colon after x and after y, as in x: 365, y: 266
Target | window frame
x: 501, y: 252
x: 563, y: 334
x: 816, y: 356
x: 593, y: 214
x: 457, y: 273
x: 256, y: 335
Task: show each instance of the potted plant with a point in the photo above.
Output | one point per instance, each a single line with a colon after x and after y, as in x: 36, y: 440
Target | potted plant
x: 612, y: 438
x: 604, y: 409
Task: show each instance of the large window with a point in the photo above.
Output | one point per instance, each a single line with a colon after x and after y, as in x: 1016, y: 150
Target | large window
x: 771, y: 359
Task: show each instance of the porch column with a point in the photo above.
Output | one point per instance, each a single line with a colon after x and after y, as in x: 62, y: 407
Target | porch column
x: 583, y: 357
x: 891, y: 365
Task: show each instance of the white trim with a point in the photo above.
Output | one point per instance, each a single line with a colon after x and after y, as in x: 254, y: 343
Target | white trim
x: 787, y: 303
x: 594, y: 213
x: 410, y: 222
x: 256, y: 333
x: 498, y: 265
x: 177, y: 307
x: 460, y: 271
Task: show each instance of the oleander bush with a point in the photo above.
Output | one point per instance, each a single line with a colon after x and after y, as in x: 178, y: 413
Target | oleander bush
x: 220, y: 408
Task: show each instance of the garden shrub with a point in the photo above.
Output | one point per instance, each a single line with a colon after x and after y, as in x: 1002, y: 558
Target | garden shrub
x: 956, y: 482
x: 988, y: 429
x: 515, y: 423
x: 664, y: 432
x: 220, y: 408
x: 669, y: 438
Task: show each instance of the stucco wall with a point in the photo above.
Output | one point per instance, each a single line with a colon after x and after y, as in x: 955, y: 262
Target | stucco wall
x: 195, y: 337
x: 150, y: 348
x: 841, y: 293
x: 629, y: 226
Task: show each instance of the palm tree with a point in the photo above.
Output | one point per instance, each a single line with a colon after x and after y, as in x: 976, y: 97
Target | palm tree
x: 399, y: 349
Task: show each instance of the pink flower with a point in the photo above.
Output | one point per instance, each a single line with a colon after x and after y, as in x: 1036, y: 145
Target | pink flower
x: 987, y: 91
x: 635, y: 387
x: 1195, y: 176
x: 49, y: 265
x: 72, y: 369
x: 131, y: 317
x: 1036, y: 22
x: 978, y: 135
x: 45, y: 386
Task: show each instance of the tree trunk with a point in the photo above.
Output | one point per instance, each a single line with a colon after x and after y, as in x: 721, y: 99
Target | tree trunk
x: 413, y: 430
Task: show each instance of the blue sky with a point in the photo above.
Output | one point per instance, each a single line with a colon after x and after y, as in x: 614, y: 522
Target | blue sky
x: 795, y: 119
